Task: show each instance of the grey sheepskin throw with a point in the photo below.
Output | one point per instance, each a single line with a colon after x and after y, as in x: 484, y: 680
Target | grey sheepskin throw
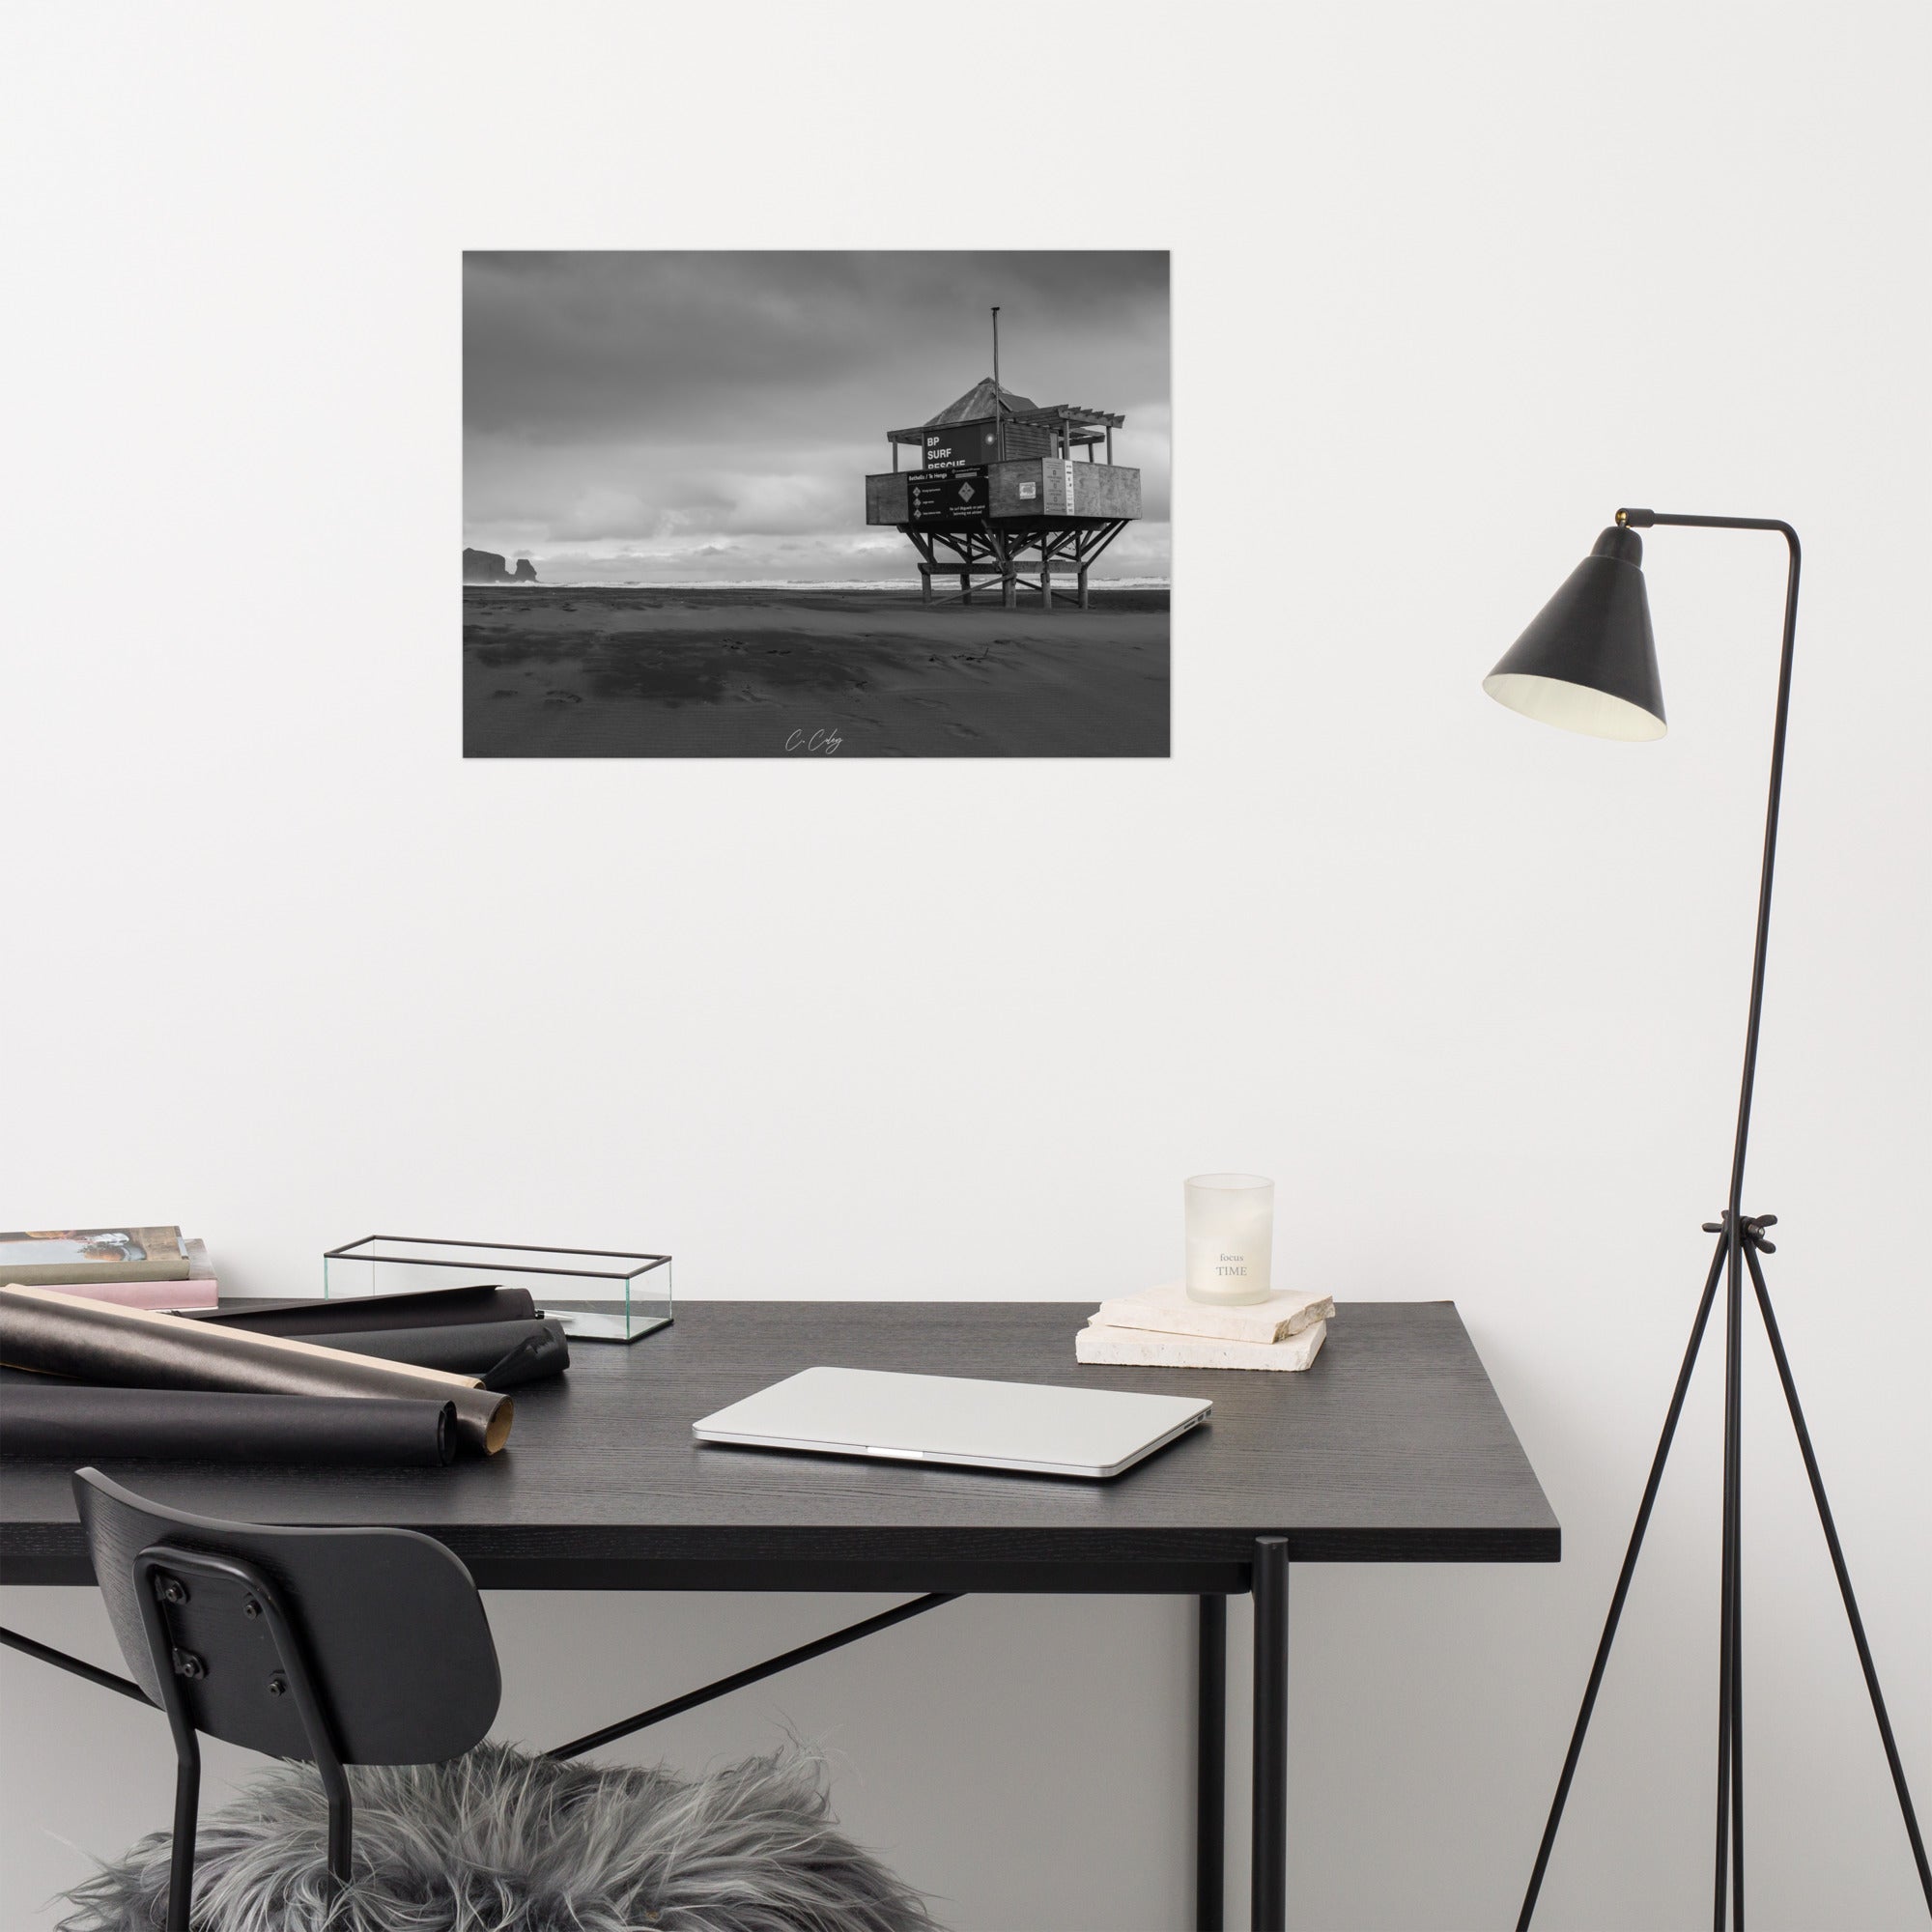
x: 500, y: 1842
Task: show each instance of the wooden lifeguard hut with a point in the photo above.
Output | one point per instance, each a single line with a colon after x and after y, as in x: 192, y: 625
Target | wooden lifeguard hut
x: 996, y: 496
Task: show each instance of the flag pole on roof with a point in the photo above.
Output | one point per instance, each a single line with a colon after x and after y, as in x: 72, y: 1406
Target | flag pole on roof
x: 999, y: 395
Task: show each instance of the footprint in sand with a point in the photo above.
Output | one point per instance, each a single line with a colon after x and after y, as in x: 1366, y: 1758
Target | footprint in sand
x: 563, y: 697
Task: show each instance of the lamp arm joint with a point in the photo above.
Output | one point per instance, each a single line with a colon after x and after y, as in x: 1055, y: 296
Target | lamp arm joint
x: 1643, y: 520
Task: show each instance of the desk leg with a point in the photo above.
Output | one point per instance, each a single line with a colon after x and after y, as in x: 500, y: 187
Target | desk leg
x: 1210, y: 1766
x: 1269, y: 1892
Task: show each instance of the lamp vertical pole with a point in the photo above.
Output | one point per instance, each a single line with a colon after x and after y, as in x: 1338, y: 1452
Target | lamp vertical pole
x: 1728, y: 1877
x: 1730, y: 1766
x: 1730, y: 1874
x: 1736, y: 1454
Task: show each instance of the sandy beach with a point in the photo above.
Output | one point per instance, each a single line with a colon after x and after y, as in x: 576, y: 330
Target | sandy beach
x: 736, y: 673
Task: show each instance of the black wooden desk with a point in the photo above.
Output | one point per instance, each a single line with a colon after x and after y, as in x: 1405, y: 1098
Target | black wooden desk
x: 1392, y: 1447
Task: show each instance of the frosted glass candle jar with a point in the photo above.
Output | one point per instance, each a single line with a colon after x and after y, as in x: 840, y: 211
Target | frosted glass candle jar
x: 1230, y: 1237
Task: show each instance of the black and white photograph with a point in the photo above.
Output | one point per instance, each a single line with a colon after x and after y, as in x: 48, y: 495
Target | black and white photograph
x: 801, y: 1213
x: 741, y: 504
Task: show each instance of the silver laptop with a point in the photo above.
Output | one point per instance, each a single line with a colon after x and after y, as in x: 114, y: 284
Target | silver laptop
x: 1044, y: 1431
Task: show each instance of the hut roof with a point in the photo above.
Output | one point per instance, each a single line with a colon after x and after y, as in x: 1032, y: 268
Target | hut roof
x: 1074, y: 421
x: 977, y: 403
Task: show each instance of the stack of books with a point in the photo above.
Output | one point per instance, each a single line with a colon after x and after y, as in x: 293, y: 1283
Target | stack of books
x: 131, y: 1267
x: 1162, y: 1329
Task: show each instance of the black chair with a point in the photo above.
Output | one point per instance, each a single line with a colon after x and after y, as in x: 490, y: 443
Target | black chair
x: 330, y: 1646
x: 370, y: 1647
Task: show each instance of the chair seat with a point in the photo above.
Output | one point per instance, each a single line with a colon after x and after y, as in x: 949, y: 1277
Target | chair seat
x: 498, y: 1842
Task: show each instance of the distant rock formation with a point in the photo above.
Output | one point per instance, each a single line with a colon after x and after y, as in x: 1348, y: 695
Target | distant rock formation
x: 485, y: 566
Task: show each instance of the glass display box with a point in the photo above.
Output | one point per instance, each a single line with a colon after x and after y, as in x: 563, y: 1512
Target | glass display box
x: 598, y: 1295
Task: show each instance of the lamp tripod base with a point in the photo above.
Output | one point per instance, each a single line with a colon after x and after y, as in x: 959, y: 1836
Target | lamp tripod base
x: 1741, y: 1240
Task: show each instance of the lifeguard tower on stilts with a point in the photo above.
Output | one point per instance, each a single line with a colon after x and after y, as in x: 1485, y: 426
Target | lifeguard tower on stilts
x: 995, y: 498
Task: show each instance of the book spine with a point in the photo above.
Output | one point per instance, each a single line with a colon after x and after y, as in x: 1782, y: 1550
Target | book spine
x: 72, y: 1274
x: 1255, y: 1327
x: 1133, y: 1347
x: 203, y: 1291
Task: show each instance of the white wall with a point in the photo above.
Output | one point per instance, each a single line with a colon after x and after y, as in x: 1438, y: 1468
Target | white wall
x: 1450, y: 284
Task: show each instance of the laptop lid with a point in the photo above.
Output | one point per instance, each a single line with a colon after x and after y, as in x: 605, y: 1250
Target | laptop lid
x: 1041, y: 1430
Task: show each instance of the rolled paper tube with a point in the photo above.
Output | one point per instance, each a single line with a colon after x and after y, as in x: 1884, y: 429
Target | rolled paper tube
x: 136, y: 1347
x: 69, y: 1423
x: 363, y: 1313
x: 464, y: 1348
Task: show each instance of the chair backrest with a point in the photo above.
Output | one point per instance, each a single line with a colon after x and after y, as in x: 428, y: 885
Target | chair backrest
x: 391, y: 1633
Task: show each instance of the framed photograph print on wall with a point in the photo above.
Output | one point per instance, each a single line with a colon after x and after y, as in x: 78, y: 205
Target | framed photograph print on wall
x: 755, y: 504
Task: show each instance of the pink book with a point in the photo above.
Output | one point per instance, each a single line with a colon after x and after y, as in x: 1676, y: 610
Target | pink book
x: 160, y: 1295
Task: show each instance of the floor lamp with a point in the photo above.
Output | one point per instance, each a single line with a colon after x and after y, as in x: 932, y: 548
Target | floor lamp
x: 1588, y: 663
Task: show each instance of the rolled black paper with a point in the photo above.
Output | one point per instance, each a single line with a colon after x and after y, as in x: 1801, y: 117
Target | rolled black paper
x: 363, y: 1313
x: 69, y: 1423
x: 137, y: 1347
x: 524, y: 1363
x: 465, y: 1347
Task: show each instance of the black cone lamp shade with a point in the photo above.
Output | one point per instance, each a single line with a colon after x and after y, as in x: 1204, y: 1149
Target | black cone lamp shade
x: 1588, y: 661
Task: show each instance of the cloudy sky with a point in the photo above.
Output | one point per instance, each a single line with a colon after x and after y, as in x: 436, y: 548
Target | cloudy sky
x: 685, y: 418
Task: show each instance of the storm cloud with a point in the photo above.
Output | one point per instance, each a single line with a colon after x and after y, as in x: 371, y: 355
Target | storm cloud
x: 656, y: 417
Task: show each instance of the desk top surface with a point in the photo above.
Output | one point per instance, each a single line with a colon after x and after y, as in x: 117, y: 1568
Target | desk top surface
x: 1391, y: 1447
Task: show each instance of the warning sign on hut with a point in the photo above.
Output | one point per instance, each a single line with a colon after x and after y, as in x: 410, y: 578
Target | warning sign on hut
x: 948, y: 494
